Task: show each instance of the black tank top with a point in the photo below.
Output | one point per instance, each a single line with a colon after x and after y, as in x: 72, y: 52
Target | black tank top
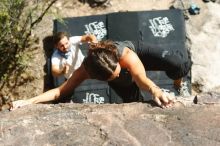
x: 121, y: 45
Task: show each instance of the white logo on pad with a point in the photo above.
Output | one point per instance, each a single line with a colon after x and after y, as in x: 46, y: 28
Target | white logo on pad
x: 160, y: 27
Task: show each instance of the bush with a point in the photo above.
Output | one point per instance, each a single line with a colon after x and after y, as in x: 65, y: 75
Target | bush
x: 16, y: 24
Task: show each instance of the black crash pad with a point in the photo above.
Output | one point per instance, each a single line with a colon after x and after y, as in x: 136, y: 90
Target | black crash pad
x: 162, y: 28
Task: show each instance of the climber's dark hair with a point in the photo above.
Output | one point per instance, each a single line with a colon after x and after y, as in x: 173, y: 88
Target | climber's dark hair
x: 102, y: 60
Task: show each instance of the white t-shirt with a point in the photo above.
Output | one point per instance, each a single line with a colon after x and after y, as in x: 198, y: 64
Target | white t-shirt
x: 75, y: 56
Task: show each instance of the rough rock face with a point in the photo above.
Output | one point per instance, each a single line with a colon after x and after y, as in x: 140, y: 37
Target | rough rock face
x: 204, y: 32
x: 205, y: 48
x: 133, y: 124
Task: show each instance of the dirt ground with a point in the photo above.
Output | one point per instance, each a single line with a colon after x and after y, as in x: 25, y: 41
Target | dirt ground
x: 38, y: 68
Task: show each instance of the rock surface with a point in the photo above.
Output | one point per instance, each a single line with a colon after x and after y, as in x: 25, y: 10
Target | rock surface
x: 205, y: 48
x: 135, y: 124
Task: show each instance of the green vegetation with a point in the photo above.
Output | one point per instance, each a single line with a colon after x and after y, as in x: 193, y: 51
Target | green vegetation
x: 17, y: 20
